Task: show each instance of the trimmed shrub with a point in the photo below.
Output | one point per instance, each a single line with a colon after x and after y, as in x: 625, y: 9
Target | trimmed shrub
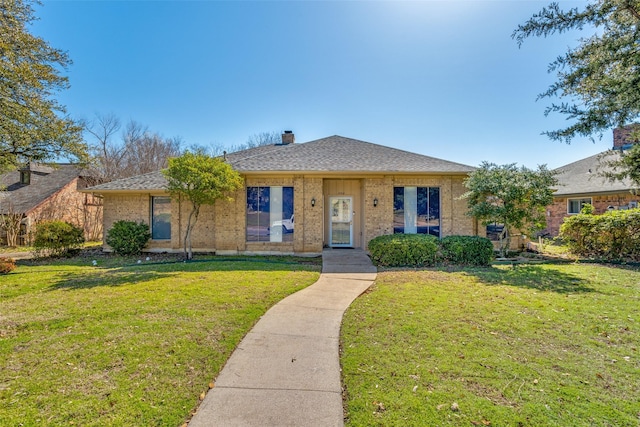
x: 128, y: 237
x: 7, y: 265
x: 57, y: 238
x: 466, y: 250
x: 613, y: 235
x: 398, y: 250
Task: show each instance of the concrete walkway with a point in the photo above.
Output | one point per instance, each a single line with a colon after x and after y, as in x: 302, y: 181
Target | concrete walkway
x: 286, y: 371
x: 17, y: 255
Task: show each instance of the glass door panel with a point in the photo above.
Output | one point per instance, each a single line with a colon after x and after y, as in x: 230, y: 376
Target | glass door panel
x: 341, y: 224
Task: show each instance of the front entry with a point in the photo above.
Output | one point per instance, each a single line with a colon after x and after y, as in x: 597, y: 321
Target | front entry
x: 341, y: 222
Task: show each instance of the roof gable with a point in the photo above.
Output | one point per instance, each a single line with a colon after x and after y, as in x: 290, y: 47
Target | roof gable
x: 44, y: 182
x: 335, y: 154
x: 339, y: 154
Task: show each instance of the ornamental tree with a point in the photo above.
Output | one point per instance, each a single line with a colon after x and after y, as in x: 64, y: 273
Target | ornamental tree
x: 33, y: 126
x: 201, y: 180
x: 512, y: 196
x: 599, y: 77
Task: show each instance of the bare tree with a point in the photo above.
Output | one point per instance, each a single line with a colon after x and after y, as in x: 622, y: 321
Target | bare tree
x: 263, y: 138
x: 106, y: 153
x: 257, y: 140
x: 149, y: 153
x: 136, y: 152
x: 10, y: 220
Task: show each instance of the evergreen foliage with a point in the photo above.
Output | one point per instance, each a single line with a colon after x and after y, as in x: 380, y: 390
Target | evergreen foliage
x: 613, y: 235
x: 467, y: 250
x: 33, y: 126
x: 411, y: 250
x: 512, y: 196
x: 57, y: 238
x: 201, y: 180
x: 600, y: 76
x: 424, y: 250
x: 128, y: 237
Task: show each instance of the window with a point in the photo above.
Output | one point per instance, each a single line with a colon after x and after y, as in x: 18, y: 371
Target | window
x: 575, y: 205
x: 494, y: 230
x: 161, y: 218
x: 270, y: 214
x: 416, y: 210
x: 25, y: 177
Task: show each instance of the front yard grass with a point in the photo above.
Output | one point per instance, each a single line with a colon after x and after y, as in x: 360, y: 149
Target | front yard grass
x: 531, y: 345
x: 123, y: 343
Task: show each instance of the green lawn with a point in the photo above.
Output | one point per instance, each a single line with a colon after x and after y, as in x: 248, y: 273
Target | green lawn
x: 537, y: 345
x: 123, y: 343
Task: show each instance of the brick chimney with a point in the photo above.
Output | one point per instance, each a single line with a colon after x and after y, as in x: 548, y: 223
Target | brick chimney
x: 622, y: 137
x: 288, y: 137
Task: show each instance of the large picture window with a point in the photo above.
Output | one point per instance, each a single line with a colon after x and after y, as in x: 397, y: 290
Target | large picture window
x: 270, y: 214
x: 416, y: 210
x: 161, y: 218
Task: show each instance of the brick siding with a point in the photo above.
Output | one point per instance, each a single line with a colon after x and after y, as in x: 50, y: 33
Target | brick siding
x: 222, y: 228
x: 558, y: 211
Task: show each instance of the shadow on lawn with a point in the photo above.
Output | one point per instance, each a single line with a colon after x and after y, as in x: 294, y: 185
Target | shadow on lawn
x: 131, y: 274
x: 533, y: 277
x: 106, y: 278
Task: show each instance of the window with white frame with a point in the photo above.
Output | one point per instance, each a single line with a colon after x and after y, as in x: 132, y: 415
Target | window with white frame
x: 270, y: 214
x: 161, y: 218
x: 416, y: 210
x: 574, y: 206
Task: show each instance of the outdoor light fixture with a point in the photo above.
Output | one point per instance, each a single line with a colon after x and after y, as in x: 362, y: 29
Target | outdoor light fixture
x: 375, y: 202
x: 313, y: 201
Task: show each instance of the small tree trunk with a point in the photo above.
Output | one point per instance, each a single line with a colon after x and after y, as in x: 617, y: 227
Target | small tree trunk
x: 505, y: 241
x: 191, y: 222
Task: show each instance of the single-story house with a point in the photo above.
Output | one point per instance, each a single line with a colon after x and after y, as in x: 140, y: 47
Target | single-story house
x: 301, y: 197
x: 582, y: 182
x: 41, y: 192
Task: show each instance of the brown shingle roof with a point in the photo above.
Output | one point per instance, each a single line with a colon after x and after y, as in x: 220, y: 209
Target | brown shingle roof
x: 584, y: 177
x: 149, y: 181
x: 334, y: 154
x: 44, y: 182
x: 339, y: 154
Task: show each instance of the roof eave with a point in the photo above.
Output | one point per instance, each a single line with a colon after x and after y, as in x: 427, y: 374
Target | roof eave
x: 120, y: 191
x: 351, y: 173
x: 592, y: 193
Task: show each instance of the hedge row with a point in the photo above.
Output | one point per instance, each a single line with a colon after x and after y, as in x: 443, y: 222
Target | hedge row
x: 419, y: 250
x: 613, y: 235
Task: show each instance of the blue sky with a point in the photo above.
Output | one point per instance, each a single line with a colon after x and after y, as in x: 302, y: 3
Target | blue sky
x: 441, y: 78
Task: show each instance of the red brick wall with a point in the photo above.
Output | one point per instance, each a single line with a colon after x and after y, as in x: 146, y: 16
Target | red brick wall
x: 557, y: 212
x: 68, y: 204
x: 621, y: 135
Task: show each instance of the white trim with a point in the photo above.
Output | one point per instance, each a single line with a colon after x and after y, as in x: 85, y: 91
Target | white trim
x: 581, y: 199
x: 341, y: 219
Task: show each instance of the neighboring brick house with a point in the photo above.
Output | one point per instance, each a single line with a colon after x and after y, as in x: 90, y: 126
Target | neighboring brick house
x: 46, y: 192
x: 299, y: 198
x: 582, y: 182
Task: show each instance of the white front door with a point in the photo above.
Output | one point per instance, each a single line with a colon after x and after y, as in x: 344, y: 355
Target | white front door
x: 341, y: 223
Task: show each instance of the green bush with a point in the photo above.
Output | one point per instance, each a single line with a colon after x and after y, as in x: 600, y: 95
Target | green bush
x: 57, y: 238
x: 613, y: 235
x: 395, y: 250
x: 7, y: 265
x: 466, y: 250
x: 128, y: 237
